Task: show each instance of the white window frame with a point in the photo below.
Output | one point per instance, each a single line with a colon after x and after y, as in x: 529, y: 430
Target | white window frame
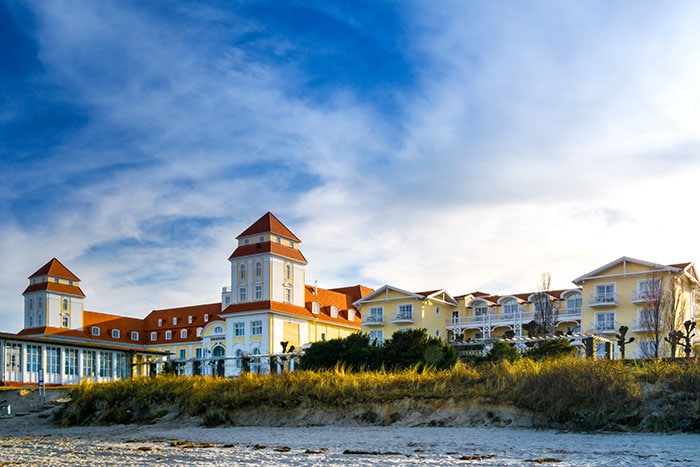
x: 183, y: 333
x: 605, y: 315
x: 116, y: 334
x: 168, y: 335
x: 605, y: 296
x: 239, y: 329
x: 257, y: 291
x: 242, y: 294
x: 154, y: 336
x: 95, y: 331
x: 134, y: 335
x: 334, y: 311
x: 405, y: 311
x: 256, y: 328
x: 376, y: 337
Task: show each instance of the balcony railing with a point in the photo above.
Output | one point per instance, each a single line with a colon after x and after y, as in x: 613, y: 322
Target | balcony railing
x: 605, y: 328
x: 642, y: 325
x: 373, y: 320
x: 507, y: 319
x: 640, y: 296
x: 603, y: 299
x: 402, y: 317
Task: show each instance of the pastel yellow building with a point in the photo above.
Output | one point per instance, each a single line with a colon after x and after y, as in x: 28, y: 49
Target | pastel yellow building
x: 625, y: 292
x: 390, y: 309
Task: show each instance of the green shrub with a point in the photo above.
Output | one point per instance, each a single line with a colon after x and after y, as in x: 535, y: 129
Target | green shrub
x: 502, y: 351
x: 551, y: 349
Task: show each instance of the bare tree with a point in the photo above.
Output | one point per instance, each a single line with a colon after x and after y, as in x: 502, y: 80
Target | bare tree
x: 546, y: 309
x: 661, y: 314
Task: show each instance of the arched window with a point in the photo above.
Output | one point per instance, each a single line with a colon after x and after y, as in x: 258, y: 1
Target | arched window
x: 65, y: 303
x: 510, y: 308
x: 258, y: 269
x: 288, y: 272
x: 242, y: 272
x: 218, y: 330
x: 239, y: 358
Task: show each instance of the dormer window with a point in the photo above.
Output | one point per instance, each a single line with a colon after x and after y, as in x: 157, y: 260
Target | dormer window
x: 134, y: 336
x: 174, y: 321
x: 198, y: 332
x: 183, y: 333
x: 154, y: 336
x: 206, y: 318
x: 334, y: 311
x: 116, y: 334
x: 160, y: 322
x: 351, y: 315
x: 168, y: 335
x: 95, y: 331
x: 190, y: 319
x: 315, y: 308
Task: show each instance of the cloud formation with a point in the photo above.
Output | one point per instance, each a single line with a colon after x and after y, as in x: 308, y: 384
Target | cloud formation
x: 468, y: 147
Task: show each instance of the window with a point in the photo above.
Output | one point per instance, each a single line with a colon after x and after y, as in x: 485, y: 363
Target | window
x: 239, y: 358
x: 198, y: 352
x: 315, y: 308
x: 31, y: 304
x: 198, y: 332
x: 242, y: 294
x: 89, y: 363
x: 160, y: 322
x: 288, y: 272
x: 134, y: 336
x: 65, y: 303
x: 116, y: 334
x: 288, y: 295
x: 278, y: 239
x: 323, y: 336
x: 256, y: 328
x: 53, y: 360
x: 246, y: 241
x: 242, y: 272
x: 291, y: 243
x: 122, y: 368
x: 351, y: 315
x: 183, y: 333
x: 605, y: 321
x: 71, y: 362
x: 605, y: 293
x: 174, y: 321
x: 437, y: 310
x: 258, y: 269
x: 95, y: 331
x: 183, y: 354
x: 65, y: 321
x: 437, y: 333
x: 206, y: 318
x: 190, y: 319
x: 510, y: 309
x: 239, y: 329
x: 648, y: 286
x: 574, y: 303
x: 70, y: 282
x: 218, y: 330
x: 258, y: 292
x: 168, y: 335
x: 261, y: 239
x: 646, y: 349
x: 376, y: 337
x: 33, y: 353
x: 376, y: 314
x: 481, y: 311
x: 105, y: 364
x: 334, y: 311
x: 55, y: 279
x: 455, y: 316
x: 405, y: 312
x: 154, y: 336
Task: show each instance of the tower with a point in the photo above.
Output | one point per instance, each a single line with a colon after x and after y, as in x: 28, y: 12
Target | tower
x: 267, y: 265
x: 53, y: 298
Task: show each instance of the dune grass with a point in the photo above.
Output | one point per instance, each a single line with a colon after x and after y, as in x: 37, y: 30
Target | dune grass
x: 567, y: 392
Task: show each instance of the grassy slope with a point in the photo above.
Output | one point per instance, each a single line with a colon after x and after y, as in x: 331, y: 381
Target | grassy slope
x: 570, y: 393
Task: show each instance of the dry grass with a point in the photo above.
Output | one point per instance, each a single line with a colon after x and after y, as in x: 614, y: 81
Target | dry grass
x: 570, y: 392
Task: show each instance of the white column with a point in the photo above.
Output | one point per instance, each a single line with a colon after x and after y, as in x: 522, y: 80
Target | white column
x: 98, y: 364
x: 23, y: 363
x: 114, y: 366
x: 81, y: 370
x: 61, y: 365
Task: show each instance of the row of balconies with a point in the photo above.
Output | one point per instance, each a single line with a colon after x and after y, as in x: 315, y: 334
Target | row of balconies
x: 613, y: 299
x: 396, y: 318
x: 505, y: 319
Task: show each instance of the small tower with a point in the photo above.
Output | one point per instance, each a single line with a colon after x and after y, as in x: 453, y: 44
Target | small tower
x: 267, y: 265
x: 53, y: 298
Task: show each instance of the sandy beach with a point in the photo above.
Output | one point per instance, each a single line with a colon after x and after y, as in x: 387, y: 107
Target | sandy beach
x: 29, y: 438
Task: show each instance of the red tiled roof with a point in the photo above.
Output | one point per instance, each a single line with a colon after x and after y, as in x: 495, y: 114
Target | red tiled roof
x: 197, y: 312
x: 48, y: 330
x: 54, y: 268
x: 107, y: 322
x: 355, y: 292
x: 55, y: 287
x: 680, y: 265
x: 428, y: 293
x: 269, y: 223
x: 268, y: 247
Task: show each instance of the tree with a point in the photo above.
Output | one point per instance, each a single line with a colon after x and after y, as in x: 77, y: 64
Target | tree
x: 551, y: 349
x: 687, y: 337
x: 622, y: 341
x: 502, y: 351
x: 662, y: 312
x: 546, y: 309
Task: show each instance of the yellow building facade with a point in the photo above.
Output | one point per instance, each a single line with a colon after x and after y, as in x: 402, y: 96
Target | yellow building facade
x: 390, y: 309
x: 650, y: 299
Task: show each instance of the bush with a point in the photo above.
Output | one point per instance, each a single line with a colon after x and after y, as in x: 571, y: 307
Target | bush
x: 502, y: 351
x: 551, y: 349
x: 413, y: 347
x: 353, y: 352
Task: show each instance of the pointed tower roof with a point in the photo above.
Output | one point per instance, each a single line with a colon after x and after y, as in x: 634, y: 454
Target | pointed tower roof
x: 269, y: 223
x: 55, y: 268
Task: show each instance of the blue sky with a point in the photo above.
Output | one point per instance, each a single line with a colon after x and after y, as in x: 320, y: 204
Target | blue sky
x: 465, y: 145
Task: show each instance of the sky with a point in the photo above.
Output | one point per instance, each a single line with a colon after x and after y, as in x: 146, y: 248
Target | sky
x: 465, y: 145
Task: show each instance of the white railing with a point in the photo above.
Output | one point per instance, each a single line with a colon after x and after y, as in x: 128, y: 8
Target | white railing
x: 402, y: 317
x: 373, y: 319
x: 642, y: 325
x: 605, y: 328
x: 496, y: 319
x: 603, y: 299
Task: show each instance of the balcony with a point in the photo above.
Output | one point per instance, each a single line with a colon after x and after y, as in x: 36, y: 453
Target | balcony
x: 605, y: 328
x: 599, y: 300
x: 639, y: 296
x: 373, y: 320
x: 404, y: 317
x: 642, y: 325
x: 569, y: 314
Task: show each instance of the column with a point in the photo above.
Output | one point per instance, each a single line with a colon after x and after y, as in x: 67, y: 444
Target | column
x: 98, y: 365
x: 62, y: 365
x: 23, y: 363
x: 81, y: 370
